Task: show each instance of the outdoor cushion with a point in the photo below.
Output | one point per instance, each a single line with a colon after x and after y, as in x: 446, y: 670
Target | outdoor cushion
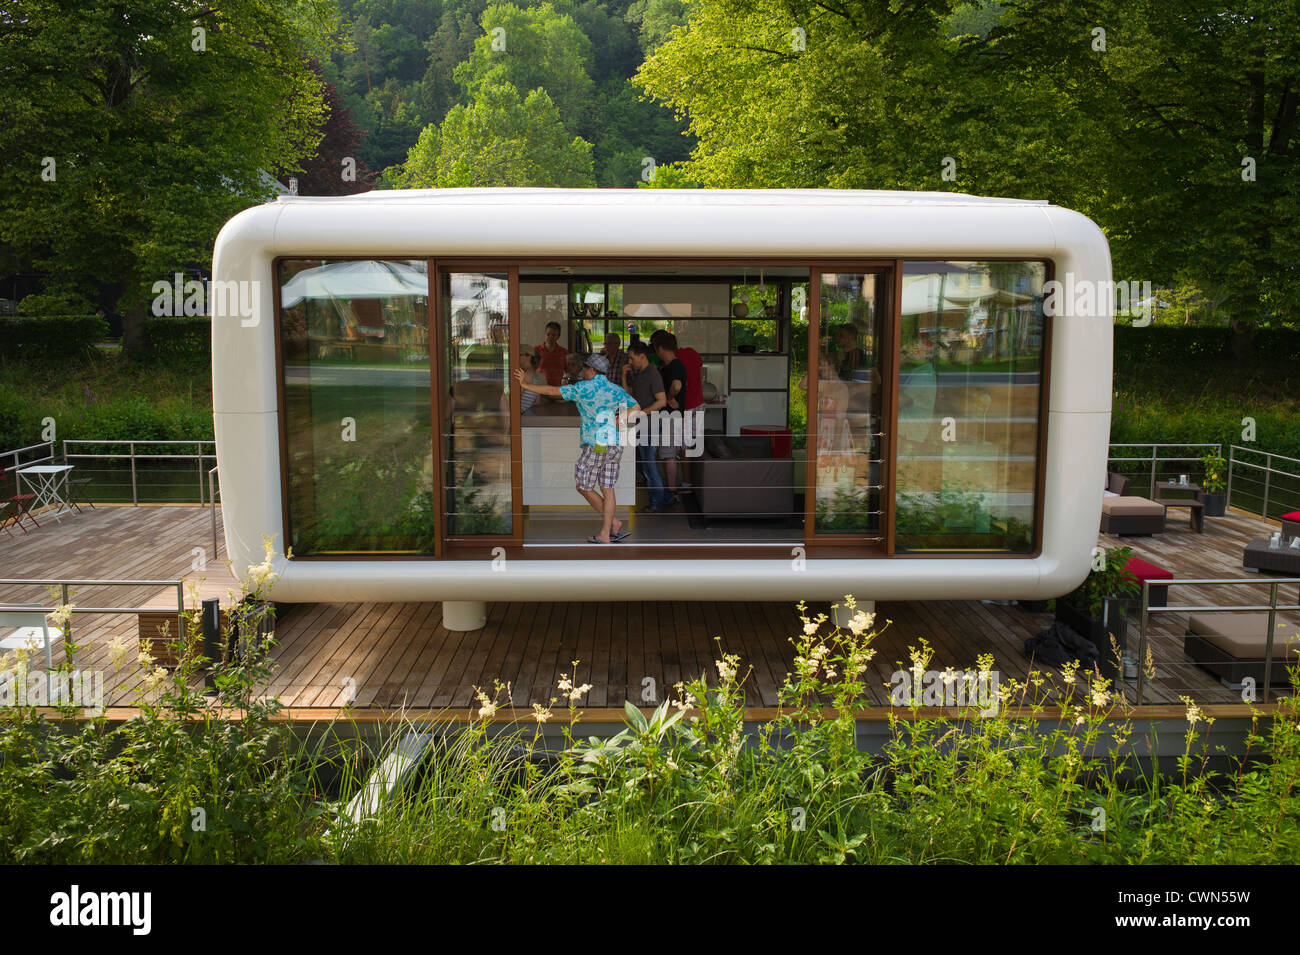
x: 1139, y: 569
x: 1132, y: 507
x: 1293, y: 516
x: 750, y: 447
x: 1242, y: 635
x: 717, y: 447
x: 1116, y: 483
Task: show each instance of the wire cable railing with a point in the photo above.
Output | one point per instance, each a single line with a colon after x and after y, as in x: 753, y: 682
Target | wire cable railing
x: 118, y: 471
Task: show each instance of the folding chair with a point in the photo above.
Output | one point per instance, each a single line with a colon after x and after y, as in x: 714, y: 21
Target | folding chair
x: 21, y: 502
x: 74, y: 485
x: 9, y: 515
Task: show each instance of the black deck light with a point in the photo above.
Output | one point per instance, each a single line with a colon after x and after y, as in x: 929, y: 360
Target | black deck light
x: 211, y: 621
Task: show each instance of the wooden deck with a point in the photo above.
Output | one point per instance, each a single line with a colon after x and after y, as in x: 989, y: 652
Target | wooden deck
x: 385, y: 656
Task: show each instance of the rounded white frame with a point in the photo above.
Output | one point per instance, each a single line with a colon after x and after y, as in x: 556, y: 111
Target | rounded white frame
x: 508, y: 223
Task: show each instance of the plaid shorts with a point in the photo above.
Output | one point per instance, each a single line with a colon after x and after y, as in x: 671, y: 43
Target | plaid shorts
x: 597, y: 470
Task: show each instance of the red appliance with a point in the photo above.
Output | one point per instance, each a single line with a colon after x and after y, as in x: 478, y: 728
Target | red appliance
x: 782, y: 437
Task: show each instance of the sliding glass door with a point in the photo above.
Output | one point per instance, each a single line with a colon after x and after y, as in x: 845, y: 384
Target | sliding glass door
x: 846, y: 385
x: 477, y: 404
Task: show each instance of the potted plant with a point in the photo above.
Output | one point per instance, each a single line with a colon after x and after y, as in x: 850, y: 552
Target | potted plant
x: 1214, y: 484
x: 1081, y: 609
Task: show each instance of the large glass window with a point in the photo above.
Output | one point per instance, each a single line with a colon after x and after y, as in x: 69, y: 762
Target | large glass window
x: 969, y: 394
x: 354, y: 336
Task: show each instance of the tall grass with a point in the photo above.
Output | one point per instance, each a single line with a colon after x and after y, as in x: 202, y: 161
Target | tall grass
x: 689, y: 786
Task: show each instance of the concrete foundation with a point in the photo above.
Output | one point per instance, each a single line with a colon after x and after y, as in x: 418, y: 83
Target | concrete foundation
x: 462, y: 615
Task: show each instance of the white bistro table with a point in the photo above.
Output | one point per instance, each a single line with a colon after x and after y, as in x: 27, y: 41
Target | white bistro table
x: 49, y: 482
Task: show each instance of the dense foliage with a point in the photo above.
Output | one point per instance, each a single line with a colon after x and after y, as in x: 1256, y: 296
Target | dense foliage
x: 133, y: 130
x: 462, y: 78
x: 1172, y: 124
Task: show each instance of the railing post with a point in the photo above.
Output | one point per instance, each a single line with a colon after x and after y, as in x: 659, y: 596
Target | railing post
x: 1142, y: 640
x: 212, y: 503
x: 1227, y: 501
x: 135, y: 498
x: 68, y: 639
x: 199, y: 462
x: 1268, y: 473
x: 1268, y: 640
x: 1152, y: 491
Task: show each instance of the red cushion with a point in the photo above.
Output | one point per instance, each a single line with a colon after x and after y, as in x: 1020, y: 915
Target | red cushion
x: 1293, y: 516
x: 1140, y: 569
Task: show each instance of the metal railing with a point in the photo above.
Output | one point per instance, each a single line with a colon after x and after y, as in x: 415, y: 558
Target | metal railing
x: 135, y: 456
x: 1259, y: 484
x: 63, y: 586
x: 1157, y: 457
x: 17, y: 453
x: 1272, y: 607
x: 133, y: 453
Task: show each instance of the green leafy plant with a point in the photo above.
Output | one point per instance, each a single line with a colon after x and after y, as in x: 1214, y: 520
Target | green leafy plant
x: 1215, y: 478
x: 1109, y: 580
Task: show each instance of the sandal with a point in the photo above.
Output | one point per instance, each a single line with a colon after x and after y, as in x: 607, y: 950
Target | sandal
x: 593, y: 539
x: 618, y: 537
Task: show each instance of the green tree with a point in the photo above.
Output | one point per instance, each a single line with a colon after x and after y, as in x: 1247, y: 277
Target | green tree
x: 656, y: 20
x: 531, y: 49
x: 784, y: 93
x: 134, y: 128
x: 1186, y: 121
x: 1173, y: 125
x: 498, y: 139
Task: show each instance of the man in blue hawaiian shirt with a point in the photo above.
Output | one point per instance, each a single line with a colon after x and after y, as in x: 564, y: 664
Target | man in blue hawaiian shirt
x: 599, y: 403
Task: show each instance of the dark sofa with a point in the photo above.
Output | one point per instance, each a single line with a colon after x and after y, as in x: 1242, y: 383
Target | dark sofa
x: 738, y: 477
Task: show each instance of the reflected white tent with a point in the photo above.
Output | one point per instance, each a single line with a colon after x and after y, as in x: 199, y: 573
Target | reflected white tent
x: 353, y: 280
x: 928, y: 294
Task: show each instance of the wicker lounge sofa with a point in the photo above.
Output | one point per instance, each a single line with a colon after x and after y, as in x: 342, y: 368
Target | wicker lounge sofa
x: 1231, y: 646
x: 1125, y: 514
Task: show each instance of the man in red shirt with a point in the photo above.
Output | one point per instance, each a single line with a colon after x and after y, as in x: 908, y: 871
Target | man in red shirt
x: 551, y: 355
x: 694, y: 377
x: 694, y: 398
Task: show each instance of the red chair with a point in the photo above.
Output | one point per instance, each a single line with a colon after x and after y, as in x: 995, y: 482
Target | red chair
x: 1139, y: 570
x: 20, y: 505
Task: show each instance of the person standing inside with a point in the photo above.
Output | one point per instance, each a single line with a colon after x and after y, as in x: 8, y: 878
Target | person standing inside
x: 613, y: 350
x: 572, y: 369
x: 693, y: 405
x: 600, y: 402
x: 528, y: 365
x: 551, y: 355
x: 644, y: 383
x: 673, y: 373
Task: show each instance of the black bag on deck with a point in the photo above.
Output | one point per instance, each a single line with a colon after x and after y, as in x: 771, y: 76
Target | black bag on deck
x: 1058, y: 645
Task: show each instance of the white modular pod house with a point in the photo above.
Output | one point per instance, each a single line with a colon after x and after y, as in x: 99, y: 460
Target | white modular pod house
x: 890, y: 395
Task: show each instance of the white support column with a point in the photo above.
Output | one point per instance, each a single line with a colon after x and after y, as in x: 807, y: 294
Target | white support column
x: 840, y: 615
x: 462, y: 615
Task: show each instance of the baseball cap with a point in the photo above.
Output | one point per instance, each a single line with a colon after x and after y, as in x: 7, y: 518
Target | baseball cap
x: 599, y: 362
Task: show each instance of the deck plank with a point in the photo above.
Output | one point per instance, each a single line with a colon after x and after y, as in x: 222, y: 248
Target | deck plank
x: 400, y: 654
